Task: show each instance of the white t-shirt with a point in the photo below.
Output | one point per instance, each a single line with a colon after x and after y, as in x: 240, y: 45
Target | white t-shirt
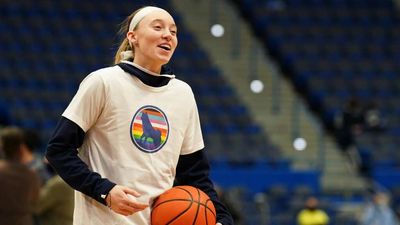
x: 134, y: 136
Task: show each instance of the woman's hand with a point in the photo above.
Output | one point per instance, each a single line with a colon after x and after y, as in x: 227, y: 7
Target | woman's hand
x: 218, y: 224
x: 119, y: 201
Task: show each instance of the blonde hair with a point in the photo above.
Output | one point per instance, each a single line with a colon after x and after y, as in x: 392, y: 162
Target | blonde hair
x: 124, y: 45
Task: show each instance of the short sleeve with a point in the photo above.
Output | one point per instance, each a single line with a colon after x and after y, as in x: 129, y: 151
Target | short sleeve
x: 193, y: 139
x: 88, y: 103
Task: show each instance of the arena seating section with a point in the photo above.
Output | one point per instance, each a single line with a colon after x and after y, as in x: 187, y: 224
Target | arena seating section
x: 48, y: 48
x: 331, y: 49
x: 334, y: 50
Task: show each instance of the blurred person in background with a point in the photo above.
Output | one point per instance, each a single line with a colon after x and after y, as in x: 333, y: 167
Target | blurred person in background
x: 5, y: 117
x: 312, y: 214
x: 126, y: 136
x: 349, y: 123
x: 31, y: 156
x: 56, y: 201
x: 19, y: 185
x: 374, y: 119
x: 378, y: 211
x: 5, y: 120
x: 227, y: 201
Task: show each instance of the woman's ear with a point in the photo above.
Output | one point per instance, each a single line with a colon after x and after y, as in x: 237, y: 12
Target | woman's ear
x: 131, y: 35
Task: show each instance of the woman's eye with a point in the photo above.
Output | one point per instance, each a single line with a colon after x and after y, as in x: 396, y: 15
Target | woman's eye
x: 157, y: 27
x: 173, y: 32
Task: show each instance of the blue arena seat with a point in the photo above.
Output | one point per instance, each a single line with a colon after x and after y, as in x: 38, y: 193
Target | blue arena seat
x: 63, y: 41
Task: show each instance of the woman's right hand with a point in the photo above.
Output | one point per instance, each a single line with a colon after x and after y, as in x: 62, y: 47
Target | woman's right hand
x: 119, y: 201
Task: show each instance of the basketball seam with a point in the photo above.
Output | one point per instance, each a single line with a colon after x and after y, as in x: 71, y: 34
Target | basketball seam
x: 205, y: 211
x: 185, y: 200
x: 172, y: 200
x: 205, y: 214
x: 183, y: 212
x: 190, y: 205
x: 198, y: 207
x: 205, y: 205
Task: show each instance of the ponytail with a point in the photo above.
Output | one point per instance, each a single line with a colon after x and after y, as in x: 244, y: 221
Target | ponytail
x: 124, y: 46
x: 125, y: 50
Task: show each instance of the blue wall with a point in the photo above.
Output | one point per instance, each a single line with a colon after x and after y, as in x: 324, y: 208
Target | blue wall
x: 388, y: 177
x: 260, y: 178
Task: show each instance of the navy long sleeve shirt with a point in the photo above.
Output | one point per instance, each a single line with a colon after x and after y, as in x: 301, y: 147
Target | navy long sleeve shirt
x: 192, y: 169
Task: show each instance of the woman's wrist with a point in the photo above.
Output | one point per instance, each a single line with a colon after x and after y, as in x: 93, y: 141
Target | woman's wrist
x: 108, y: 200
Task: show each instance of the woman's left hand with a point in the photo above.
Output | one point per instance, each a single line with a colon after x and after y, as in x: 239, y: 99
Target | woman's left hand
x: 218, y: 224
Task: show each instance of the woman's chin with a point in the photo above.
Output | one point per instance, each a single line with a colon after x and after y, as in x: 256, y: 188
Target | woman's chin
x: 164, y: 60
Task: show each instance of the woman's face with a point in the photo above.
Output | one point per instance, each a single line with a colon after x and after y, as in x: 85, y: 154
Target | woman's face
x: 154, y: 40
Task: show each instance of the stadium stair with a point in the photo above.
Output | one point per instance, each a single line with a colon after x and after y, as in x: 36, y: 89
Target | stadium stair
x: 283, y: 115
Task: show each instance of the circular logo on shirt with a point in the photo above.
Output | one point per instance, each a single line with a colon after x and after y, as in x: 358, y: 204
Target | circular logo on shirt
x: 149, y: 129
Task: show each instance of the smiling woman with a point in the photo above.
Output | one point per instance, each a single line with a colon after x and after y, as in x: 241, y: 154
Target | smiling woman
x: 151, y: 39
x: 154, y: 40
x: 134, y: 137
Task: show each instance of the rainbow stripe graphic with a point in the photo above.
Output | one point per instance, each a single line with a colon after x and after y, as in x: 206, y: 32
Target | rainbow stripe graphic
x: 149, y: 129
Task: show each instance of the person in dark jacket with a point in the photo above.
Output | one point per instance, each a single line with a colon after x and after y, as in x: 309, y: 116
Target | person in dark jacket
x: 19, y: 185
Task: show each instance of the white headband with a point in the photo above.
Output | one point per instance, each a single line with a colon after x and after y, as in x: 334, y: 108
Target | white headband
x: 141, y: 14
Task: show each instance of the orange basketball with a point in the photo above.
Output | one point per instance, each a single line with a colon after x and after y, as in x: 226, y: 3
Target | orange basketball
x: 183, y: 205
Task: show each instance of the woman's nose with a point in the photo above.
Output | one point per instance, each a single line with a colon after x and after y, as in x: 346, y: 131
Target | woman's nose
x: 167, y: 35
